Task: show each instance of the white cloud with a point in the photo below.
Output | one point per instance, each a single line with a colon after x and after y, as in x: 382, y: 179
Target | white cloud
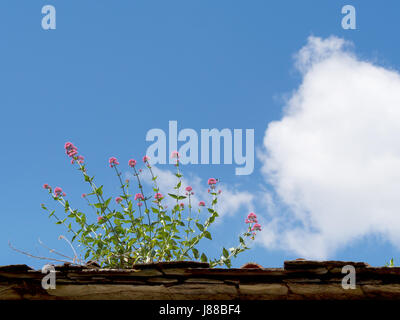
x: 334, y: 157
x: 231, y: 201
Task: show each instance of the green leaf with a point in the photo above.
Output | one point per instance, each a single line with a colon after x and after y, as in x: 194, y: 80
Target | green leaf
x: 181, y: 223
x: 228, y: 263
x: 225, y: 253
x: 207, y: 235
x: 119, y: 215
x: 195, y: 253
x: 211, y: 220
x: 200, y: 226
x: 106, y: 203
x: 155, y: 210
x: 172, y: 196
x: 99, y: 191
x: 203, y: 258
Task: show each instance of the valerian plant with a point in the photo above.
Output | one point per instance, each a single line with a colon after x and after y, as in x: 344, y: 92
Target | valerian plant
x: 142, y: 229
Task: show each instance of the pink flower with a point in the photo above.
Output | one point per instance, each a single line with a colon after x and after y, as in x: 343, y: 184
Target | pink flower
x: 113, y: 162
x: 57, y: 191
x: 182, y: 205
x: 202, y: 204
x: 212, y: 181
x: 175, y: 154
x: 251, y: 218
x: 256, y: 227
x: 99, y: 219
x: 64, y: 194
x: 132, y: 163
x: 83, y: 195
x: 219, y: 191
x: 46, y: 186
x: 68, y: 145
x: 188, y: 188
x: 139, y: 196
x: 72, y: 153
x: 140, y: 204
x: 70, y: 149
x: 118, y: 200
x: 158, y: 196
x: 146, y: 159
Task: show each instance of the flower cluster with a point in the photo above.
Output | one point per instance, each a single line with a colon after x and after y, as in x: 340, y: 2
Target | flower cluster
x: 113, y: 162
x: 175, y: 155
x: 132, y: 163
x: 58, y: 192
x: 70, y: 149
x: 189, y: 191
x: 251, y: 218
x: 139, y: 196
x: 253, y: 222
x: 146, y: 159
x: 158, y: 196
x: 72, y: 152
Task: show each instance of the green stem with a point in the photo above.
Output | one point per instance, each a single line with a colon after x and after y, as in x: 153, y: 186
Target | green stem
x: 174, y: 224
x: 146, y: 211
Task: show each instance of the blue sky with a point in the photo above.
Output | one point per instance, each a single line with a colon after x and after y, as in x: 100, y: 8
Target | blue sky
x: 111, y: 71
